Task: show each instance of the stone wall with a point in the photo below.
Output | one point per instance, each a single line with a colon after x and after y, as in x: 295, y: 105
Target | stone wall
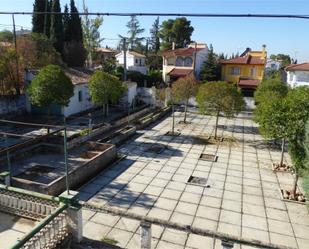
x: 12, y: 104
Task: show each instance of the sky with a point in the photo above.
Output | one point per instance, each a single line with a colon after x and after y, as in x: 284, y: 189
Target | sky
x: 288, y: 36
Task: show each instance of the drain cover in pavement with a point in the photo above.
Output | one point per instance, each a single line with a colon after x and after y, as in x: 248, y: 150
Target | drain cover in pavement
x: 197, y: 180
x: 208, y: 157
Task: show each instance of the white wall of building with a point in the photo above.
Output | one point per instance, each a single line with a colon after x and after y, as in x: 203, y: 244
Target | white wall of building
x: 201, y: 56
x: 79, y: 102
x: 132, y: 91
x: 134, y: 63
x: 272, y: 65
x: 147, y: 95
x: 298, y: 78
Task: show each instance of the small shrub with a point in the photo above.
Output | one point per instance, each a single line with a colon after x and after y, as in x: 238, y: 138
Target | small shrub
x: 110, y: 241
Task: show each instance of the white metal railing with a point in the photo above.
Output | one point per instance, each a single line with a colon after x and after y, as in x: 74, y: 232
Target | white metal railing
x: 25, y: 205
x: 50, y: 235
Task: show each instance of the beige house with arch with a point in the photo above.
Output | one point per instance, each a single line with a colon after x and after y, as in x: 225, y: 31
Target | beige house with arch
x: 182, y: 62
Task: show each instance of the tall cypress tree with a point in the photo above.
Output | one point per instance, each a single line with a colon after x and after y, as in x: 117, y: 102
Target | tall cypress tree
x: 75, y: 31
x: 56, y: 27
x: 74, y: 51
x: 134, y: 31
x: 38, y: 19
x: 211, y: 68
x: 66, y: 20
x: 155, y: 39
x: 48, y: 19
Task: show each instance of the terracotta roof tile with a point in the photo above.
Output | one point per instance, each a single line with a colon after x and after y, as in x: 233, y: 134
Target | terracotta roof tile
x: 181, y: 51
x: 177, y: 72
x: 249, y: 83
x: 298, y: 67
x: 248, y: 59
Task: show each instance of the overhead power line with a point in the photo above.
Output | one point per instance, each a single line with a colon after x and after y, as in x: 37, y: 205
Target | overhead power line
x: 214, y: 15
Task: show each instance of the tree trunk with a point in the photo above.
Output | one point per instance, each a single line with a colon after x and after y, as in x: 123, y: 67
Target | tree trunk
x: 107, y: 109
x: 173, y: 122
x: 216, y: 127
x: 186, y: 109
x: 282, y: 151
x: 295, y: 185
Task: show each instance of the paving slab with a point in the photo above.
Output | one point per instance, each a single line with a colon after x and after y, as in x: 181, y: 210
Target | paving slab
x: 241, y: 196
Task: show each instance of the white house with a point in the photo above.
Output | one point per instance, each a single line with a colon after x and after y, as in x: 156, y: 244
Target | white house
x: 298, y: 74
x: 79, y: 102
x: 182, y: 62
x: 135, y: 61
x: 273, y: 65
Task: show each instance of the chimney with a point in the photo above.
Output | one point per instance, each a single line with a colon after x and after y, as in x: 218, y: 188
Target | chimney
x: 173, y: 45
x: 264, y: 51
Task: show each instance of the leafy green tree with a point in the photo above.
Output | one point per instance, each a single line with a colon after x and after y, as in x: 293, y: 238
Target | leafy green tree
x: 285, y: 118
x: 91, y: 34
x: 154, y: 62
x: 56, y: 27
x: 10, y: 74
x: 155, y: 38
x: 297, y: 101
x: 6, y: 36
x: 134, y: 32
x: 270, y: 87
x: 306, y: 173
x: 211, y: 67
x: 154, y: 78
x: 178, y: 30
x: 219, y: 97
x: 51, y: 86
x: 109, y: 65
x: 271, y: 114
x: 38, y: 19
x: 183, y: 89
x: 105, y: 88
x: 286, y: 59
x: 36, y: 50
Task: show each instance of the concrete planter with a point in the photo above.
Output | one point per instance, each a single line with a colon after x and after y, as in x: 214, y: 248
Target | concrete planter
x: 281, y: 169
x: 95, y: 157
x: 120, y: 135
x: 145, y: 121
x: 292, y: 201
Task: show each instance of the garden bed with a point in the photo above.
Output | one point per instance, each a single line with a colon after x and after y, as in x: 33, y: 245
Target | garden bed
x: 288, y: 196
x: 283, y: 168
x: 170, y: 133
x: 184, y: 123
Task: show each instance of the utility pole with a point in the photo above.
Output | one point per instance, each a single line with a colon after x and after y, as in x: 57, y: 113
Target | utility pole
x: 147, y: 47
x: 124, y: 59
x: 90, y: 46
x: 194, y: 59
x: 65, y: 145
x: 17, y: 87
x: 45, y: 17
x: 8, y: 158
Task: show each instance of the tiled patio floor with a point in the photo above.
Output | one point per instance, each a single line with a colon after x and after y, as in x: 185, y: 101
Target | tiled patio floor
x: 242, y: 197
x: 13, y: 228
